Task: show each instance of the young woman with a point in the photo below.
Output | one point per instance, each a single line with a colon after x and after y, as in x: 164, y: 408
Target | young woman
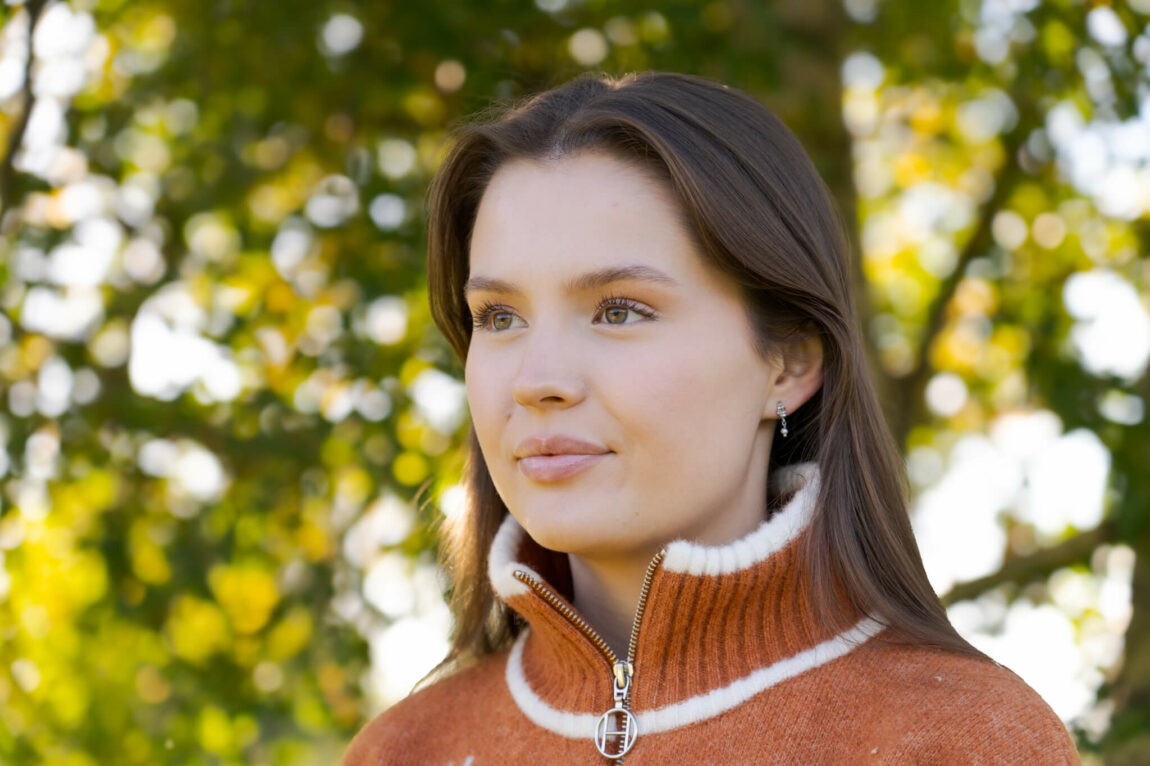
x: 687, y: 539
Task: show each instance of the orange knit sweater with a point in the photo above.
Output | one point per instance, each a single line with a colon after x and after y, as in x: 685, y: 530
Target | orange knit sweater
x: 725, y: 671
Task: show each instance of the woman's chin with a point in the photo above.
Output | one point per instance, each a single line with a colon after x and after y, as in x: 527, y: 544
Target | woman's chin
x: 585, y: 535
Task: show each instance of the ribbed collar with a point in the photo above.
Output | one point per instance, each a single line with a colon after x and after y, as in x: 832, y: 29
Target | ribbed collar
x: 722, y: 623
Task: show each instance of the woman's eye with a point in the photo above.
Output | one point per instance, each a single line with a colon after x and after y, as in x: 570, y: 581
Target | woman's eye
x: 621, y: 311
x: 500, y: 320
x: 616, y: 315
x: 495, y: 318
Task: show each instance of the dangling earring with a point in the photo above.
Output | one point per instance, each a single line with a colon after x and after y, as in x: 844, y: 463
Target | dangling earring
x: 781, y: 411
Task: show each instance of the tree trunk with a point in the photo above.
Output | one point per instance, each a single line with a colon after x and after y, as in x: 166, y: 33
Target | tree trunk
x: 811, y: 102
x: 1128, y: 740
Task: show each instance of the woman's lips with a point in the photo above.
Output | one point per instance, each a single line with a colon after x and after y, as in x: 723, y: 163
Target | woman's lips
x: 548, y: 468
x: 556, y: 457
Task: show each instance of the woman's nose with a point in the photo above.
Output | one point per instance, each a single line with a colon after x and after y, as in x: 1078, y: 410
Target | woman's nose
x: 548, y: 375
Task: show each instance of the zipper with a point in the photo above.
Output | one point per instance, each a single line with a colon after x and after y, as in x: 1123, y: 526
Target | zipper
x: 616, y: 730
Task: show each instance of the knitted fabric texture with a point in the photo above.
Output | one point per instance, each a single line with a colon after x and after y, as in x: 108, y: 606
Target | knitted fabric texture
x: 730, y: 668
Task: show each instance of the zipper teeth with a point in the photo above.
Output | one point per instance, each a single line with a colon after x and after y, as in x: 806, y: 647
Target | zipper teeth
x: 566, y: 611
x: 582, y: 625
x: 633, y: 643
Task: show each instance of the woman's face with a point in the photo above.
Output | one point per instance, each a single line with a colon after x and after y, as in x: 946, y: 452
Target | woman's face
x: 613, y: 379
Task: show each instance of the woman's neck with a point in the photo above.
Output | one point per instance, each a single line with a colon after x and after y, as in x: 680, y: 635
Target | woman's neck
x: 607, y: 595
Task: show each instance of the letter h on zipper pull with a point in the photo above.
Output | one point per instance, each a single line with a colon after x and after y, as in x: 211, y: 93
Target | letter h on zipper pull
x: 617, y: 728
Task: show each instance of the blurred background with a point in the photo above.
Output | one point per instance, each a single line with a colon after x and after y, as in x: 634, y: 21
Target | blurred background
x: 229, y: 430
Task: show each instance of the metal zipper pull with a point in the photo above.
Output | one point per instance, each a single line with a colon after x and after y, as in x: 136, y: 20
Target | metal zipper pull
x: 617, y: 728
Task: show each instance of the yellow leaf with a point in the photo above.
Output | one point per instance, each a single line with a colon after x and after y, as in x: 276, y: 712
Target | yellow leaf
x: 290, y: 635
x: 410, y: 468
x: 247, y: 593
x: 196, y: 629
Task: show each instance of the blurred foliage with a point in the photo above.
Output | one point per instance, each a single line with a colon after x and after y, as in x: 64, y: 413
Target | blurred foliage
x: 228, y: 421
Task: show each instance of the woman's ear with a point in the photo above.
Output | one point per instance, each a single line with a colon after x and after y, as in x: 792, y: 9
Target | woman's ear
x: 800, y: 377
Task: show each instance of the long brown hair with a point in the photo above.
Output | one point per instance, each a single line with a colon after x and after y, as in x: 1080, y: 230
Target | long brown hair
x: 763, y: 216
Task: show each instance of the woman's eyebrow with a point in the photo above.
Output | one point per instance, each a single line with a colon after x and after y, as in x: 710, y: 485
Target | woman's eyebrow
x: 603, y: 277
x: 592, y: 280
x: 489, y: 285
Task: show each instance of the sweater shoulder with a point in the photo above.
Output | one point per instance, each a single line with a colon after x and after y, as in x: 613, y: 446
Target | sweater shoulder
x: 942, y: 704
x: 409, y: 730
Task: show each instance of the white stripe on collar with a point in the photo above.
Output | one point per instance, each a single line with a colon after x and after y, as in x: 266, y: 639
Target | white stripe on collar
x: 693, y: 709
x: 683, y: 556
x: 501, y: 562
x: 770, y: 538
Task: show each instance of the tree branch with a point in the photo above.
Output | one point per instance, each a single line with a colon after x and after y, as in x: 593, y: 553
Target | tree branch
x: 910, y: 389
x: 33, y: 8
x: 1036, y: 566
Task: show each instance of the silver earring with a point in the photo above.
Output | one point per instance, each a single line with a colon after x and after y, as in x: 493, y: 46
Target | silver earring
x: 781, y: 411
